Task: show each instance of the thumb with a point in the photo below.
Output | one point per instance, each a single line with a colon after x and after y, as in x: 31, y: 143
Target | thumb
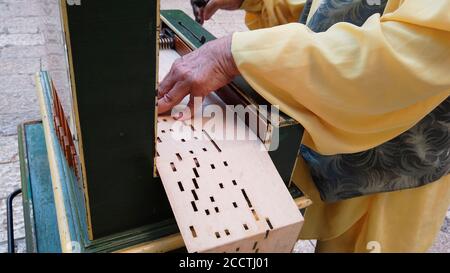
x: 210, y: 9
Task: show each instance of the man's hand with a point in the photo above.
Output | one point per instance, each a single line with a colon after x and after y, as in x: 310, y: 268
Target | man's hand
x: 214, y: 5
x: 198, y: 74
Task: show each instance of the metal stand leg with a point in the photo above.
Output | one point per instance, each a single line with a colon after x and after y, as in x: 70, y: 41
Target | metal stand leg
x: 10, y: 222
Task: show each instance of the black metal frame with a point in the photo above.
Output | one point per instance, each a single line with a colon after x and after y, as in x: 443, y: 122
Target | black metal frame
x: 10, y: 219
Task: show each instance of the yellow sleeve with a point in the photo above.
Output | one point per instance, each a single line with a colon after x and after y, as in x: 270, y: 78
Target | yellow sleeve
x: 269, y: 13
x: 353, y: 88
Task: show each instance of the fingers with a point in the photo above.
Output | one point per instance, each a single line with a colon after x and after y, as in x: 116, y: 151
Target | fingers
x: 210, y: 9
x: 167, y: 83
x: 200, y: 16
x: 173, y: 97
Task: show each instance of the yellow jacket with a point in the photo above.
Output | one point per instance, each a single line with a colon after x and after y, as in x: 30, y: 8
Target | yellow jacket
x: 402, y: 62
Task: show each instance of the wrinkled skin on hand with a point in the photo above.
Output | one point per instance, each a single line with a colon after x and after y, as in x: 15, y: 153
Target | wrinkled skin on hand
x: 198, y: 74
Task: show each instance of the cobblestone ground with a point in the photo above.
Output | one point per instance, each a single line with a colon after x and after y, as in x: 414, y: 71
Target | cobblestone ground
x: 30, y: 40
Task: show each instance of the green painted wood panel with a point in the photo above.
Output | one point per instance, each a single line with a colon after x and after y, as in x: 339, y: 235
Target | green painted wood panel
x: 113, y: 47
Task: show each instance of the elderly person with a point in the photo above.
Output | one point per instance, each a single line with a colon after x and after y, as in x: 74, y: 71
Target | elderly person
x: 369, y: 80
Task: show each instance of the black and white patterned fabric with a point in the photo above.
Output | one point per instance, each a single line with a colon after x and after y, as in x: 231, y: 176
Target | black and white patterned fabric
x: 415, y: 158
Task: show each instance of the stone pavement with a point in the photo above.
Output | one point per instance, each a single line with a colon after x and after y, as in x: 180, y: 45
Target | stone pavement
x: 31, y: 40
